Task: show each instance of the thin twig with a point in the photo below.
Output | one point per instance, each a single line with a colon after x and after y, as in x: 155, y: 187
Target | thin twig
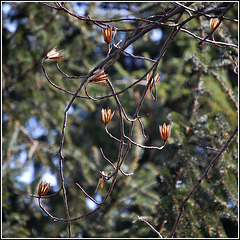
x: 228, y: 91
x: 220, y: 20
x: 136, y: 33
x: 181, y: 208
x: 207, y: 40
x: 87, y: 194
x: 158, y: 233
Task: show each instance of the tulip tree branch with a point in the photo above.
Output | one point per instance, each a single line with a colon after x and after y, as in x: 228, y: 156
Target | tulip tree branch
x: 170, y: 19
x: 125, y: 174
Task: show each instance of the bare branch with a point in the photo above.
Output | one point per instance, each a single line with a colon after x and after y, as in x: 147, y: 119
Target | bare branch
x: 158, y: 233
x: 169, y: 19
x: 87, y: 194
x: 181, y: 208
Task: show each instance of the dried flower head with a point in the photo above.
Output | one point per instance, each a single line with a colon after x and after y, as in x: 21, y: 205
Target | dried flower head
x: 99, y: 77
x: 165, y: 131
x: 43, y: 189
x: 213, y: 23
x: 107, y: 115
x: 108, y: 34
x: 54, y: 54
x: 155, y: 79
x: 100, y: 182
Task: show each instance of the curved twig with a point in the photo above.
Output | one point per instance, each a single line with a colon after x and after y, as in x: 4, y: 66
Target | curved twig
x: 87, y: 194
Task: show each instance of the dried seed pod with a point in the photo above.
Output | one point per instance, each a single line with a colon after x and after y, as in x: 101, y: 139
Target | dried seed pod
x: 54, y: 54
x: 43, y: 189
x: 213, y: 23
x: 165, y: 131
x: 99, y: 77
x: 155, y: 79
x: 107, y: 115
x: 108, y: 34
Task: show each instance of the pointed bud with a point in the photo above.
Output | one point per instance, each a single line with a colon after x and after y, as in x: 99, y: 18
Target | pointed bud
x: 154, y: 79
x: 107, y: 34
x: 213, y: 23
x: 165, y: 131
x: 99, y: 77
x: 107, y: 115
x: 43, y: 189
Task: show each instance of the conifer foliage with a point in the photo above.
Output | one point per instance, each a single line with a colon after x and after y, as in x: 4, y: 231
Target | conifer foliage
x: 132, y: 109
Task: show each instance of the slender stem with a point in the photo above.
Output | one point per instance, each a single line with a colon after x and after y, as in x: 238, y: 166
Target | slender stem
x: 158, y: 233
x: 200, y: 180
x: 207, y: 40
x: 124, y: 148
x: 61, y: 157
x: 118, y: 140
x: 221, y: 18
x: 87, y: 194
x: 147, y: 147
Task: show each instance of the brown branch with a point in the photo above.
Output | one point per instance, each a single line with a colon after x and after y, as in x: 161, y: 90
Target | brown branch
x: 48, y: 196
x: 209, y: 41
x: 181, y: 208
x: 220, y: 20
x: 228, y: 91
x: 87, y: 194
x: 108, y: 62
x: 123, y: 173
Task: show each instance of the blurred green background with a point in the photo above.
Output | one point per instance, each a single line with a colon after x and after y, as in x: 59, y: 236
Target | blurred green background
x: 191, y: 95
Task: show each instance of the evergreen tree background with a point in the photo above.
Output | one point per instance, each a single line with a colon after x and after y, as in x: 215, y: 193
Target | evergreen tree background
x: 197, y: 94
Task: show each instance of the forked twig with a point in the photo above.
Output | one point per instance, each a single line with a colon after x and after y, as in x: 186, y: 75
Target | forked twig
x: 169, y: 19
